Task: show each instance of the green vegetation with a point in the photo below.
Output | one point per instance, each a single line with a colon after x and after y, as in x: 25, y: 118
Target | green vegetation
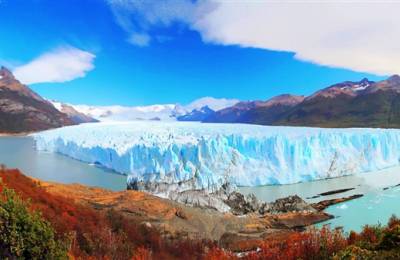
x: 24, y: 234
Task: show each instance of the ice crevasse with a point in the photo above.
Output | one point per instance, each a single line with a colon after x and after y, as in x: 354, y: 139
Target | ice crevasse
x: 211, y: 154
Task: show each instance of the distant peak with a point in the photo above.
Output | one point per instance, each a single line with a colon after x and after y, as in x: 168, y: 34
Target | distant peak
x: 364, y: 80
x: 394, y: 78
x: 6, y: 73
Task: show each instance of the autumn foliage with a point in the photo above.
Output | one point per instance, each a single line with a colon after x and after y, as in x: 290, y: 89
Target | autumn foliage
x: 94, y: 234
x: 98, y: 235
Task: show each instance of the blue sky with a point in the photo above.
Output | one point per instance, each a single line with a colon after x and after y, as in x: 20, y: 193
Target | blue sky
x: 119, y: 52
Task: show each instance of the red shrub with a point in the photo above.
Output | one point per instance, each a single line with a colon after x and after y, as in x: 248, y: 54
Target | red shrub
x: 393, y: 221
x: 142, y: 254
x: 216, y: 253
x: 369, y: 234
x: 312, y: 244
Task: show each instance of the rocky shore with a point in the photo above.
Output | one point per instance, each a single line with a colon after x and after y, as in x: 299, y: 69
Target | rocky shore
x: 224, y: 199
x: 241, y: 225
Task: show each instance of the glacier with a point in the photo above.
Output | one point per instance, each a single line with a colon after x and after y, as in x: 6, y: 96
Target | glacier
x: 209, y: 155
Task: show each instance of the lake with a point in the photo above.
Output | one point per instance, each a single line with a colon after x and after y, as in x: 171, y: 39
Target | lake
x: 19, y: 152
x: 375, y: 207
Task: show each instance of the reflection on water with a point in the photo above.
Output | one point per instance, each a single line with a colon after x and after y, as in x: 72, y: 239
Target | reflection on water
x: 19, y: 152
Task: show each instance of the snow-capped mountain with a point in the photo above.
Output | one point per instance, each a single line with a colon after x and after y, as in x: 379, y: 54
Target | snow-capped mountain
x: 212, y: 103
x: 348, y: 88
x: 163, y: 112
x: 72, y: 113
x: 197, y: 114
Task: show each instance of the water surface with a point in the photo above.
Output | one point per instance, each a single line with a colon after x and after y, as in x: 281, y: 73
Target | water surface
x: 376, y: 207
x: 19, y: 152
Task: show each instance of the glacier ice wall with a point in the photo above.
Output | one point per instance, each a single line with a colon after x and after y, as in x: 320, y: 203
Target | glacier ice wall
x: 210, y: 154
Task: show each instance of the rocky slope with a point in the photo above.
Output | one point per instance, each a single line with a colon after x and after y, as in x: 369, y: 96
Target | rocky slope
x: 22, y: 110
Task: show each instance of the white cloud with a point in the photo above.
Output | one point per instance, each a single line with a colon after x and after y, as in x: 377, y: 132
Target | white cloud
x: 362, y: 36
x: 59, y: 65
x: 139, y: 39
x: 357, y: 35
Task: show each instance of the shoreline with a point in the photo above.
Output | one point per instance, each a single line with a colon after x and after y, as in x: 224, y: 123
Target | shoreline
x: 24, y: 134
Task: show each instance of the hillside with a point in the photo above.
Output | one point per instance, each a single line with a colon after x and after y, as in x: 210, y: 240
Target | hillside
x: 374, y: 105
x: 256, y: 112
x: 22, y: 110
x: 347, y: 104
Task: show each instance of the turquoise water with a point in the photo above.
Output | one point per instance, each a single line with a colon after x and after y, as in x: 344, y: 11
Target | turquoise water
x: 373, y: 208
x: 19, y: 152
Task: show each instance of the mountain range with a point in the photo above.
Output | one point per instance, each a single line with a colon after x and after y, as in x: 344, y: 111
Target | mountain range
x: 361, y: 103
x: 348, y: 104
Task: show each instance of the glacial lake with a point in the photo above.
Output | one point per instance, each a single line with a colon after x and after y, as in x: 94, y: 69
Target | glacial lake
x: 375, y: 207
x: 19, y: 152
x: 380, y: 200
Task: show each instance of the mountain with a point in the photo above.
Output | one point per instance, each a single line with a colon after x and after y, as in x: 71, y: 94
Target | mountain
x: 75, y: 116
x: 125, y: 113
x: 22, y: 110
x: 363, y: 104
x: 391, y: 84
x: 197, y: 114
x: 194, y: 111
x: 348, y: 88
x: 256, y: 112
x: 212, y: 103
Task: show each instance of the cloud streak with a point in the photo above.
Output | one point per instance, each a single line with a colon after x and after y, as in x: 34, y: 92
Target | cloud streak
x: 59, y: 65
x: 357, y: 35
x: 139, y: 17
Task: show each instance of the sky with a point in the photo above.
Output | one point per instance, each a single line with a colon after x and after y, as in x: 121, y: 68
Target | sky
x: 142, y: 52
